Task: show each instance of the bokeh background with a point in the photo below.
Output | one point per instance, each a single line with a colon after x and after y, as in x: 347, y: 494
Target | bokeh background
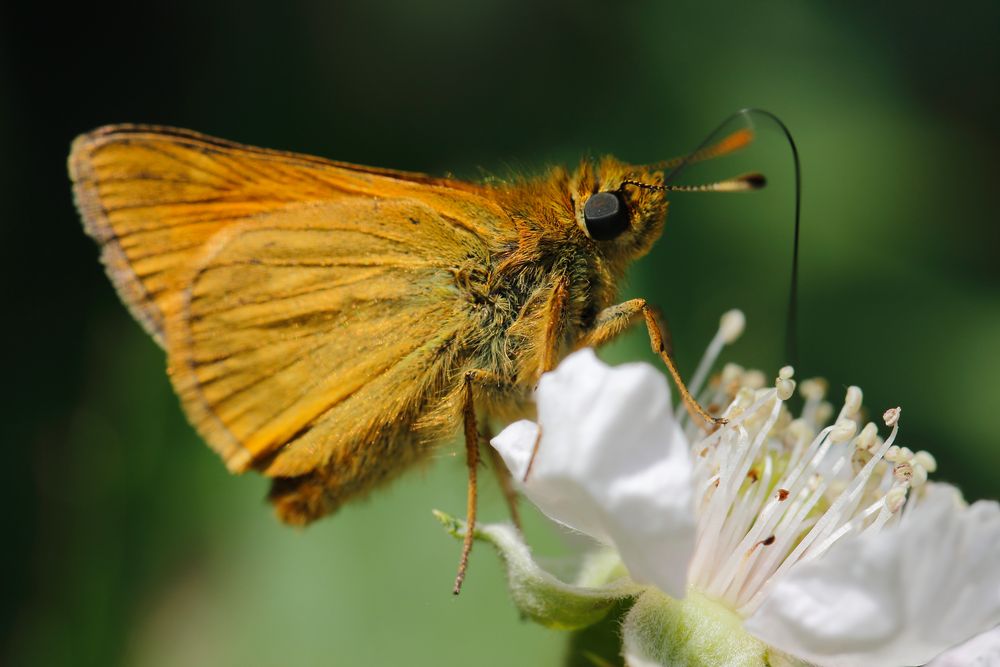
x: 125, y: 540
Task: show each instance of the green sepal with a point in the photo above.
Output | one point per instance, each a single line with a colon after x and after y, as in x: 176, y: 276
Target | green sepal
x: 538, y: 594
x: 660, y: 631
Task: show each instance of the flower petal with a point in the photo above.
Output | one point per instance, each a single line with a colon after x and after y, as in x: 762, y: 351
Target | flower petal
x: 898, y: 597
x: 980, y: 651
x: 612, y: 462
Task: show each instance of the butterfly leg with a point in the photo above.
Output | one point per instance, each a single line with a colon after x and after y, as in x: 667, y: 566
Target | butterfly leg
x: 506, y: 482
x: 554, y: 324
x: 555, y: 320
x: 471, y: 430
x: 616, y: 319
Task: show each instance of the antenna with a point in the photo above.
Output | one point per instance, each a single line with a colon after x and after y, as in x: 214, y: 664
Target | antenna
x: 711, y: 147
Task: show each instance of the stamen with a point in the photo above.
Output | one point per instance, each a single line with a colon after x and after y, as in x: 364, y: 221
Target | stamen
x: 899, y: 455
x: 925, y: 460
x: 892, y: 502
x: 823, y: 413
x: 738, y: 453
x: 766, y: 542
x: 731, y: 327
x: 784, y: 383
x: 866, y: 439
x: 850, y: 527
x: 794, y: 486
x: 827, y: 524
x: 895, y: 498
x: 731, y: 378
x: 852, y: 403
x: 843, y: 430
x: 813, y: 389
x: 902, y: 472
x: 754, y: 379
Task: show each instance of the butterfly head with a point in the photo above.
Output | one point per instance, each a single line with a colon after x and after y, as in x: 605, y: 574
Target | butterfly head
x: 619, y: 207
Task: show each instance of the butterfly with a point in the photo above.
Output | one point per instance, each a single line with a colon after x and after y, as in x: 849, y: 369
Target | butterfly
x: 327, y: 324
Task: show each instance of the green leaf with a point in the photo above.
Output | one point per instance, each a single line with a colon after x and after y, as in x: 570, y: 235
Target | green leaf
x: 538, y: 594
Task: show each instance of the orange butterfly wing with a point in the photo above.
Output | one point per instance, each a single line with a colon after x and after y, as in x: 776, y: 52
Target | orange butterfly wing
x: 305, y: 305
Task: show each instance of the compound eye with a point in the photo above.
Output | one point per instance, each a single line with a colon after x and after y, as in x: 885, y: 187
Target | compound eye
x: 606, y: 216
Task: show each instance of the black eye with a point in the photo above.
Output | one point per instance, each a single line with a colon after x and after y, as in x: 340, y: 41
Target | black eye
x: 606, y: 216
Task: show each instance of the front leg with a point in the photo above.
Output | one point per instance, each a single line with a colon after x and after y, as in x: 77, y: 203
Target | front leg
x: 616, y: 319
x: 555, y: 323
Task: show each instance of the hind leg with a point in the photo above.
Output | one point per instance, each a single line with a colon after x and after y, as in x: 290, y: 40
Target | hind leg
x: 471, y: 432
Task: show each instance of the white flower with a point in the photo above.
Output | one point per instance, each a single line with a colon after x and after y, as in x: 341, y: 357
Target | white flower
x: 824, y: 544
x: 980, y: 651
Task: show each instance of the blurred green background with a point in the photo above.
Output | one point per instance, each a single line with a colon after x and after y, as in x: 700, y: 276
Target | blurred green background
x: 126, y: 540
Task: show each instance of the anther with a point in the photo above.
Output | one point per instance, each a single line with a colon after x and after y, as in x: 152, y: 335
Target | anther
x: 785, y: 387
x: 813, y: 389
x: 731, y: 325
x: 782, y: 495
x: 784, y: 383
x: 844, y: 430
x: 860, y: 458
x: 895, y: 498
x: 731, y: 376
x: 925, y: 460
x: 891, y: 416
x: 902, y: 472
x: 766, y: 542
x: 866, y: 439
x: 754, y: 379
x: 852, y: 402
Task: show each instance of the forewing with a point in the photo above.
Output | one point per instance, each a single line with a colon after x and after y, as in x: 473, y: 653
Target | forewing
x: 308, y: 330
x: 305, y: 305
x: 152, y: 197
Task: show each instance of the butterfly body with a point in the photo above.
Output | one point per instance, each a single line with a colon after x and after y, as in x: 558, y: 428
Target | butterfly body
x: 327, y: 324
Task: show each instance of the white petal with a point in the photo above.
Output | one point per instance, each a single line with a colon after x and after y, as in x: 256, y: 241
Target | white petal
x: 612, y: 462
x: 980, y: 651
x: 899, y: 597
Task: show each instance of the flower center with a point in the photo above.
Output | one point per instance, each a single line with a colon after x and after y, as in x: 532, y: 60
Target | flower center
x: 773, y: 491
